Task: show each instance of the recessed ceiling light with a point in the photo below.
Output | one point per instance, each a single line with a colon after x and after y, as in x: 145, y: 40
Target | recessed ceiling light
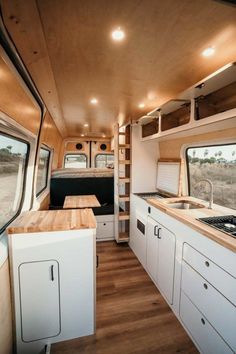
x: 208, y: 52
x: 141, y: 105
x: 86, y: 125
x: 118, y: 34
x: 103, y: 135
x: 93, y: 100
x: 81, y: 134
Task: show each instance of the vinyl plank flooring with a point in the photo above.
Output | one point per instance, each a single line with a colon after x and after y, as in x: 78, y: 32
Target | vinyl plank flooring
x: 132, y: 316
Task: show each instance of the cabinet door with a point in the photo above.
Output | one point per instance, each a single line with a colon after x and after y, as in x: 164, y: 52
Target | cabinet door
x: 152, y: 248
x: 39, y: 297
x: 166, y: 263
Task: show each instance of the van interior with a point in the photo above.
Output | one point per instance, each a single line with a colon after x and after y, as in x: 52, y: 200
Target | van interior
x: 117, y: 176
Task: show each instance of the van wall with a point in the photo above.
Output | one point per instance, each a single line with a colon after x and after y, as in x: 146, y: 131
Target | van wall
x: 172, y: 148
x: 5, y: 311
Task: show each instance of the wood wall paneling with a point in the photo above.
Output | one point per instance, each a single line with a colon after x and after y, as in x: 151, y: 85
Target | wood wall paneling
x: 6, y: 329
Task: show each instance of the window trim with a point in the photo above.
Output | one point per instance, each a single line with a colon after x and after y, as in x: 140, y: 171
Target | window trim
x: 3, y: 228
x: 43, y: 147
x: 75, y: 153
x: 95, y: 157
x: 196, y: 147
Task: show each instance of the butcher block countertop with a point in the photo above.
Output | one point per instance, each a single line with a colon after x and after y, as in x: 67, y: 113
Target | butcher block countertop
x: 53, y: 220
x: 189, y: 216
x: 81, y: 201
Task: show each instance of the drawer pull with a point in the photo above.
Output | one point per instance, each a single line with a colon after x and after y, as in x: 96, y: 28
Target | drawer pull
x: 203, y: 321
x: 205, y: 286
x: 207, y: 264
x: 104, y: 224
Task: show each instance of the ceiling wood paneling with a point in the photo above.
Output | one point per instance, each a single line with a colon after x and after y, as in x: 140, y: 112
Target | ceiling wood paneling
x: 76, y: 59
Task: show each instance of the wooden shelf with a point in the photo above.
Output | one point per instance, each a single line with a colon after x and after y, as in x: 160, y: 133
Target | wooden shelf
x: 124, y: 215
x: 124, y: 198
x: 124, y: 162
x: 124, y: 146
x: 123, y: 237
x: 124, y: 179
x: 121, y: 133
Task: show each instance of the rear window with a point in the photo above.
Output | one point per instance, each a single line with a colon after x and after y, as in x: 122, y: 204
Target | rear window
x: 104, y: 160
x: 13, y: 164
x: 217, y: 163
x: 43, y: 167
x: 75, y: 161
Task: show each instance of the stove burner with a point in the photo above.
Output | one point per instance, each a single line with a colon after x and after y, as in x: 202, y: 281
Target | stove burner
x: 226, y: 223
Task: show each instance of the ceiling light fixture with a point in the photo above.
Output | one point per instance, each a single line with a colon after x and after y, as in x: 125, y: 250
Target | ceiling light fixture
x: 208, y: 52
x: 118, y: 34
x: 103, y: 135
x: 94, y: 100
x: 86, y: 125
x: 141, y: 105
x: 82, y: 135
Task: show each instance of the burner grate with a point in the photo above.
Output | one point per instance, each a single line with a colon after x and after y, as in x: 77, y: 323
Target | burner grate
x: 226, y: 223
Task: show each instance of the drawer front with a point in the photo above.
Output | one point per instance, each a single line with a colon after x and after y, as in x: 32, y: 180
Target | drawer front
x: 200, y: 329
x: 216, y: 308
x: 219, y: 278
x: 105, y: 230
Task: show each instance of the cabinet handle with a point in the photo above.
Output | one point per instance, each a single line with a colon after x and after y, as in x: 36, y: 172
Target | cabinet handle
x: 104, y: 224
x: 205, y: 286
x: 52, y: 272
x: 97, y: 261
x: 203, y: 321
x: 207, y: 264
x: 158, y: 234
x: 149, y: 210
x: 156, y: 231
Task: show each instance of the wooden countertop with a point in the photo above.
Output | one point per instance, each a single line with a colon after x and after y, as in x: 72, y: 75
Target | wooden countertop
x: 53, y: 220
x: 189, y: 217
x: 81, y: 201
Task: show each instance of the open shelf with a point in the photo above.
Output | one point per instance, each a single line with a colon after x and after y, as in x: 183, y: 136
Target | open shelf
x: 177, y: 118
x: 124, y: 179
x: 124, y: 146
x: 124, y: 236
x: 216, y: 102
x: 124, y: 198
x: 124, y: 162
x: 150, y: 128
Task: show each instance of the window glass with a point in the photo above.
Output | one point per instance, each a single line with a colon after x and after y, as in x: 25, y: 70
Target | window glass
x: 217, y: 163
x: 13, y: 161
x: 104, y: 160
x: 43, y: 166
x: 75, y: 161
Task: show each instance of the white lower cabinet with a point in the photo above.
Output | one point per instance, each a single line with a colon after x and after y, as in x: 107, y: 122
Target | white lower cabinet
x: 105, y: 227
x: 39, y: 300
x: 161, y: 257
x: 206, y: 337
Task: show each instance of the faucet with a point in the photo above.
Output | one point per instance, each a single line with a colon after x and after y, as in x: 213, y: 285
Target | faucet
x: 211, y: 190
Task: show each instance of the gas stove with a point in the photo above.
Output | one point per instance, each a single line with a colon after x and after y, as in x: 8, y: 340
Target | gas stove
x: 226, y: 223
x: 155, y: 195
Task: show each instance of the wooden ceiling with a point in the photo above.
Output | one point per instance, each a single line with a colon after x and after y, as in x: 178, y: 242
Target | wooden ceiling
x: 67, y: 48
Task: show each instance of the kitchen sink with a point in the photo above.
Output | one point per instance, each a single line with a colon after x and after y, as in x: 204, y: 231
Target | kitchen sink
x: 185, y: 205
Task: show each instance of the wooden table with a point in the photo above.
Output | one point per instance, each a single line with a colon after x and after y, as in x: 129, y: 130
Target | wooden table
x: 81, y: 201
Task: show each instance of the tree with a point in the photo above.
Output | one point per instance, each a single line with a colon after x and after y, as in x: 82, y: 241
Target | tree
x: 9, y: 147
x: 206, y: 152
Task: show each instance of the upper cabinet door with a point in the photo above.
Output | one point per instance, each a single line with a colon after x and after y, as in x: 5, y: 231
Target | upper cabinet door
x: 39, y: 297
x: 152, y: 248
x: 166, y: 263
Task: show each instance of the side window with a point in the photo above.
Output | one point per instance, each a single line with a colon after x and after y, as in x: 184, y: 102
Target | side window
x: 217, y: 163
x: 43, y: 167
x: 13, y: 164
x: 104, y: 160
x: 75, y: 161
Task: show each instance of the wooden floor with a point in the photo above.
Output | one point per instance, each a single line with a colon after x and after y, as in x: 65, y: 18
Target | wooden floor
x: 132, y: 316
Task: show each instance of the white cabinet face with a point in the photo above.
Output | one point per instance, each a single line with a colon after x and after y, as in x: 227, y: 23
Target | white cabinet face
x: 39, y: 298
x: 152, y: 248
x: 166, y: 262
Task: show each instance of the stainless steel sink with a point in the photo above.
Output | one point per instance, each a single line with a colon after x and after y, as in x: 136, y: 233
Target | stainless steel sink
x: 185, y: 205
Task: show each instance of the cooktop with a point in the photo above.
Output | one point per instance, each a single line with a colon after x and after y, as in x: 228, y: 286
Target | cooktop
x: 226, y: 223
x: 157, y: 195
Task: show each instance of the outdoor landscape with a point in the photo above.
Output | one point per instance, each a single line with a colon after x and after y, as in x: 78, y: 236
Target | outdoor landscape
x: 218, y: 164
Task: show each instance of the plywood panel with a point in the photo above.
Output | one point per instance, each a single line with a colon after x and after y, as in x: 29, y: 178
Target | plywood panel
x: 67, y: 48
x: 5, y: 311
x: 172, y: 148
x: 15, y: 101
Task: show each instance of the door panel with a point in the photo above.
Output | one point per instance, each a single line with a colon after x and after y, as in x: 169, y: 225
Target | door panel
x: 152, y: 249
x: 39, y: 297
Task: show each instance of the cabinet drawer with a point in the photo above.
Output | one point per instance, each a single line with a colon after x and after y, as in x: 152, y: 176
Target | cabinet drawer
x: 208, y: 340
x: 105, y: 230
x: 216, y: 308
x: 218, y: 277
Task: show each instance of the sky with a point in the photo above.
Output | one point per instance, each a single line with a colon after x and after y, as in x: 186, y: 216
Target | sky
x: 17, y: 146
x: 226, y: 151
